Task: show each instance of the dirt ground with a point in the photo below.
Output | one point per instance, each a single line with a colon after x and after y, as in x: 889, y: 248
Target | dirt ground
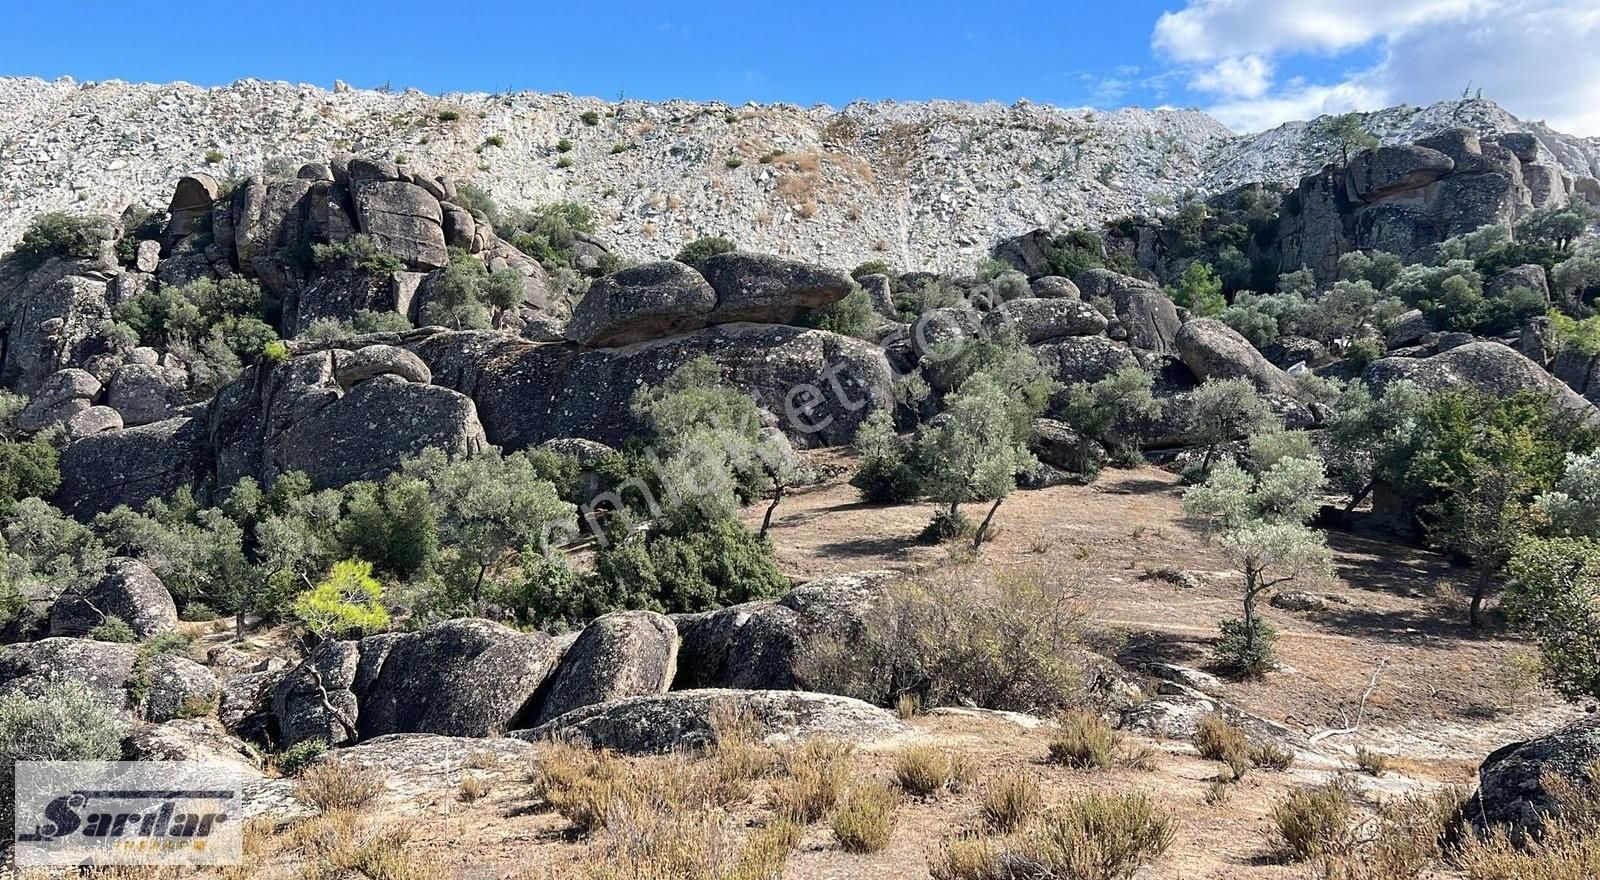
x: 1444, y: 692
x: 1440, y: 694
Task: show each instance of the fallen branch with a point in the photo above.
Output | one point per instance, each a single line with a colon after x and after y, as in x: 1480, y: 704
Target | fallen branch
x: 1361, y: 708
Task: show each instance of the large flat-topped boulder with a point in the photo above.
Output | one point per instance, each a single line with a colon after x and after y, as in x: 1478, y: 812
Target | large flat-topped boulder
x: 1382, y: 172
x: 1487, y: 367
x: 666, y: 298
x: 1041, y: 320
x: 768, y: 289
x: 641, y: 303
x: 820, y: 385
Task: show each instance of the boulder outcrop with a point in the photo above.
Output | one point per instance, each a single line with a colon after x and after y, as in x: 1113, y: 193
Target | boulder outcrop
x: 129, y: 590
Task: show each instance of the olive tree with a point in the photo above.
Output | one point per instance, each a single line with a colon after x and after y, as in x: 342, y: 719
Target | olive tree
x: 1259, y: 523
x: 974, y: 450
x: 1573, y: 505
x: 1374, y: 437
x: 1223, y: 410
x: 1555, y: 596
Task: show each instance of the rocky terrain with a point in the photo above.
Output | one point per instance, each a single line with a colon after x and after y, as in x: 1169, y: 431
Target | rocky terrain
x: 605, y: 546
x: 921, y: 185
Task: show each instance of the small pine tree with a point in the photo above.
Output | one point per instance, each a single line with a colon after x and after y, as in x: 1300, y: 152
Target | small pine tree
x: 348, y: 600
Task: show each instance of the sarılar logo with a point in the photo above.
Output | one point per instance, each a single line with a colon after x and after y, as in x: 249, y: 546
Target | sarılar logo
x: 126, y: 812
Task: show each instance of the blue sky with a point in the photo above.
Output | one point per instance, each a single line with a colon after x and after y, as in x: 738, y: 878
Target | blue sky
x: 1251, y: 62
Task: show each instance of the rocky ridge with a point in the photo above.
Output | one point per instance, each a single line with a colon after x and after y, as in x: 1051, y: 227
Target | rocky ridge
x: 930, y: 185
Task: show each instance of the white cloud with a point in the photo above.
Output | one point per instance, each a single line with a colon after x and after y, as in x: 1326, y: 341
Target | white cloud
x: 1244, y: 77
x: 1537, y: 58
x: 1207, y: 30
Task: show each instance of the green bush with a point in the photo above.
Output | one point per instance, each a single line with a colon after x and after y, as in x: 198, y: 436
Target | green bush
x: 28, y: 469
x: 113, y: 629
x: 1199, y: 290
x: 590, y: 117
x: 449, y: 115
x: 476, y: 198
x: 886, y: 480
x: 871, y: 267
x: 851, y: 316
x: 358, y: 253
x: 1235, y: 653
x: 494, y: 140
x: 564, y: 146
x: 140, y: 225
x: 295, y: 759
x: 548, y: 233
x: 698, y: 251
x: 57, y: 235
x: 713, y: 565
x: 63, y: 722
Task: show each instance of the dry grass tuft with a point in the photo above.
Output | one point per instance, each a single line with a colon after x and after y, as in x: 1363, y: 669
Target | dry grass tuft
x: 864, y: 823
x: 818, y: 772
x: 965, y: 858
x: 908, y: 706
x: 1085, y: 741
x: 473, y: 788
x: 924, y: 771
x: 1371, y: 762
x: 1407, y: 840
x: 1315, y: 822
x: 1010, y: 801
x: 1270, y: 756
x: 1092, y: 837
x: 337, y: 785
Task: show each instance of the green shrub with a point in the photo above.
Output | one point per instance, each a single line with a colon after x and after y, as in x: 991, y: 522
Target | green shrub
x: 733, y: 162
x: 618, y: 148
x: 213, y: 157
x: 113, y: 629
x: 851, y: 316
x: 1199, y: 290
x: 564, y: 146
x: 63, y: 722
x: 590, y: 117
x: 475, y: 198
x: 946, y: 527
x: 1095, y: 836
x: 871, y: 267
x: 494, y: 140
x: 380, y: 321
x: 710, y: 566
x: 28, y: 469
x: 347, y: 601
x: 295, y: 759
x: 564, y: 162
x: 1246, y: 656
x: 57, y: 235
x: 359, y: 253
x: 140, y: 225
x: 449, y: 115
x: 886, y: 479
x: 1084, y: 742
x: 275, y: 352
x: 548, y: 233
x: 698, y: 251
x: 865, y: 821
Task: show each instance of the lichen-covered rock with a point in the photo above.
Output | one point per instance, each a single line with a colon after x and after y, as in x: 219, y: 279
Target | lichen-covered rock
x: 1408, y: 329
x: 1060, y: 445
x: 651, y: 301
x: 62, y: 396
x: 103, y: 668
x: 1530, y: 276
x: 351, y: 368
x: 1084, y: 358
x: 404, y: 219
x: 1093, y: 283
x: 1486, y: 367
x: 771, y: 645
x: 1055, y: 287
x: 1042, y: 320
x: 101, y: 471
x: 53, y: 315
x: 1149, y: 318
x: 1511, y: 789
x: 129, y: 590
x: 193, y: 739
x: 458, y: 678
x: 820, y: 385
x: 146, y: 393
x: 622, y: 654
x: 767, y: 289
x: 314, y: 701
x: 1213, y: 350
x: 190, y: 207
x: 245, y: 708
x: 179, y: 687
x: 1378, y: 173
x: 682, y: 720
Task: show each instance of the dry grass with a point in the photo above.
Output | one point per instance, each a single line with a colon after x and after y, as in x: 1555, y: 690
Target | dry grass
x: 1085, y: 741
x: 1270, y: 756
x: 337, y: 785
x: 965, y: 858
x: 1218, y: 740
x: 1095, y: 836
x: 907, y: 706
x: 1010, y: 802
x: 1567, y: 849
x: 924, y: 771
x: 473, y: 788
x: 333, y: 845
x: 818, y: 771
x: 1218, y: 793
x: 1315, y: 822
x: 1407, y: 840
x: 1371, y: 763
x: 865, y: 821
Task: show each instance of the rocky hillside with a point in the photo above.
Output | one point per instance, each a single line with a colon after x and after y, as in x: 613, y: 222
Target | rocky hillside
x: 929, y: 185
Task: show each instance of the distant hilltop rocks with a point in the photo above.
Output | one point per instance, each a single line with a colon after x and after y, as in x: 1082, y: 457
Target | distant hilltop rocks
x: 931, y: 185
